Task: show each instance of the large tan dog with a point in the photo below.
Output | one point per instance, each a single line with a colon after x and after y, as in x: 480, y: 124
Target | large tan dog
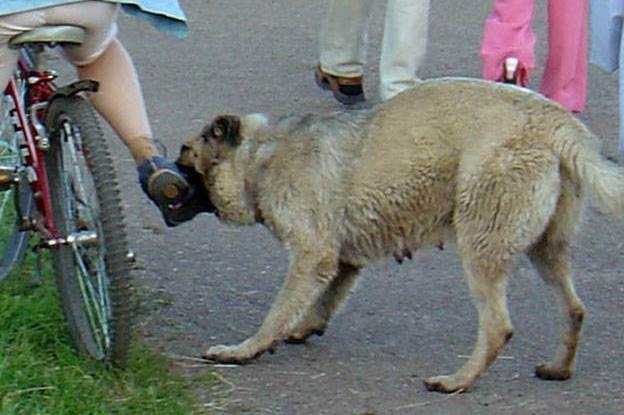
x: 498, y: 169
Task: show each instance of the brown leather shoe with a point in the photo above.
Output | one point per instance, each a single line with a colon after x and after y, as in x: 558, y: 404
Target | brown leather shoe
x: 347, y: 91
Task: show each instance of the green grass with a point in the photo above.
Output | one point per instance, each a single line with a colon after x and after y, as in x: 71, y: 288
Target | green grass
x: 41, y: 374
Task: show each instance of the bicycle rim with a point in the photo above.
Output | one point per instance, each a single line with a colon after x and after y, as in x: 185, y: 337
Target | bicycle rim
x: 92, y: 268
x: 13, y: 241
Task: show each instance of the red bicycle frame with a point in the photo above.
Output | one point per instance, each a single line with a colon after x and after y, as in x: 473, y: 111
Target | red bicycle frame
x: 30, y: 104
x: 39, y: 89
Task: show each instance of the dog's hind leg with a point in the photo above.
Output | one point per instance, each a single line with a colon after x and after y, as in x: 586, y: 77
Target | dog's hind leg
x: 552, y: 260
x: 500, y: 212
x: 487, y: 280
x: 551, y: 257
x: 308, y: 278
x: 320, y: 313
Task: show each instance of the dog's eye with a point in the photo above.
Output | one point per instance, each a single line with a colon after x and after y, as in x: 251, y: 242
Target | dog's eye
x: 217, y: 132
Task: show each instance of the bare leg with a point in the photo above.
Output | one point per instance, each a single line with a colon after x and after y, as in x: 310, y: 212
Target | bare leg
x: 120, y: 100
x: 320, y: 313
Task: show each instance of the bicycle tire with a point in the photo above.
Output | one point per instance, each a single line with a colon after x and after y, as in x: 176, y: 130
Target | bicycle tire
x: 93, y: 277
x: 15, y: 198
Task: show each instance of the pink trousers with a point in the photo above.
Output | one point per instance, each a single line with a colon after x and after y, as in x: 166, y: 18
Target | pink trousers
x: 508, y: 32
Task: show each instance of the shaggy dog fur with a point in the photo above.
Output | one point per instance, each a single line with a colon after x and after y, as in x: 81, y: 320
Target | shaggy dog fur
x: 498, y: 169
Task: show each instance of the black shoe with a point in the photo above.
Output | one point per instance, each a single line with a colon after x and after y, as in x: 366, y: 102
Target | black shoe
x: 347, y: 90
x: 163, y: 182
x: 197, y: 200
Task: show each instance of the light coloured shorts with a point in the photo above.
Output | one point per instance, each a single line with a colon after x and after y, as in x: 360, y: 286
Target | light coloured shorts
x: 98, y: 18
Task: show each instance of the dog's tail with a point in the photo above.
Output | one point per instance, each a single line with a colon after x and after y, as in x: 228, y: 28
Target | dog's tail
x: 578, y: 150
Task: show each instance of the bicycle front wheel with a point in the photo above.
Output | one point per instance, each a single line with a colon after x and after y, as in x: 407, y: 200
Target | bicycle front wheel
x: 15, y: 196
x: 13, y: 240
x: 92, y: 263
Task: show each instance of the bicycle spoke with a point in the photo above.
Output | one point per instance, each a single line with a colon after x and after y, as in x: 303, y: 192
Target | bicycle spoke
x: 6, y: 196
x: 90, y: 297
x: 86, y: 210
x: 78, y: 185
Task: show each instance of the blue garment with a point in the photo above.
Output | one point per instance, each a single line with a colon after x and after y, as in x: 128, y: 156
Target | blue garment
x: 607, y: 47
x: 165, y: 15
x: 606, y: 33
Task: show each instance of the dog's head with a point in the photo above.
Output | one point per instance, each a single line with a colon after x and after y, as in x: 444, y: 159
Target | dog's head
x: 210, y: 160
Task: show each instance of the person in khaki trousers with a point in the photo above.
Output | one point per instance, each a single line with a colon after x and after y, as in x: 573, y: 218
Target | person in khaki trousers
x: 343, y: 47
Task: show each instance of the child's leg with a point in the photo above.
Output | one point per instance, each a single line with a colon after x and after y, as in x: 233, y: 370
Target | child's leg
x: 508, y: 33
x: 120, y: 100
x: 565, y: 74
x: 103, y: 58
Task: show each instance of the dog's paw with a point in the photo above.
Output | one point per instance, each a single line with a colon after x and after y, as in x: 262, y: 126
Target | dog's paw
x: 238, y: 354
x: 313, y: 324
x: 446, y: 384
x: 548, y: 372
x: 300, y: 337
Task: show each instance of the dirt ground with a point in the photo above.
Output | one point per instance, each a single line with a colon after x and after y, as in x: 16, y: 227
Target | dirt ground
x: 205, y: 283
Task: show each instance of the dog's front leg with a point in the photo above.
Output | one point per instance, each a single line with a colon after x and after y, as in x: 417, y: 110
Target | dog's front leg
x: 307, y: 279
x: 319, y: 314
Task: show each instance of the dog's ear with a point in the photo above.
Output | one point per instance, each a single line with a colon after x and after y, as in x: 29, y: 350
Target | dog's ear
x: 224, y: 128
x: 251, y: 123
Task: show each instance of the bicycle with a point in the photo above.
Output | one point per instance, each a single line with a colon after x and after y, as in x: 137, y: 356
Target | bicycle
x: 57, y: 182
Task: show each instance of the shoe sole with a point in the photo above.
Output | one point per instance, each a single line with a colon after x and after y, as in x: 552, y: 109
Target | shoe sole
x: 325, y: 82
x: 321, y: 80
x: 167, y: 188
